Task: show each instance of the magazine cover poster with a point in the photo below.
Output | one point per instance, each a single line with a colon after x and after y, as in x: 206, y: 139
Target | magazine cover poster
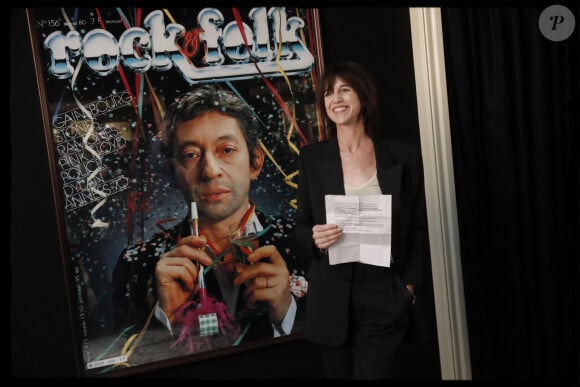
x: 107, y: 77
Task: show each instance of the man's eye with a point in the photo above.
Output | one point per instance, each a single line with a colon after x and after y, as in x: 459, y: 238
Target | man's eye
x: 229, y: 150
x: 189, y: 156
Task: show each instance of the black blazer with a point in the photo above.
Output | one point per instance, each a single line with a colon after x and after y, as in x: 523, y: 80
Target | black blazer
x: 400, y: 174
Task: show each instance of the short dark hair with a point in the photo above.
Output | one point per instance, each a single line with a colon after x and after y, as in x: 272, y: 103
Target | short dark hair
x: 204, y: 99
x: 364, y: 86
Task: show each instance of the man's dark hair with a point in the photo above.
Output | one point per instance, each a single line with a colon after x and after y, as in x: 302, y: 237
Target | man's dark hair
x: 364, y: 86
x: 204, y: 99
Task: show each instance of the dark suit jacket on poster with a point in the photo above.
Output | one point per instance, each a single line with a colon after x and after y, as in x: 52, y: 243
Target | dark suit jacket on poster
x: 135, y: 289
x: 400, y: 174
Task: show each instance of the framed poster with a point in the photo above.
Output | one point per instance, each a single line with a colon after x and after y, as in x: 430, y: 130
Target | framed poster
x: 108, y: 79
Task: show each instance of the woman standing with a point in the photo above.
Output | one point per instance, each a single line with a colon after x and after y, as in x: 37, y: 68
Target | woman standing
x: 357, y: 312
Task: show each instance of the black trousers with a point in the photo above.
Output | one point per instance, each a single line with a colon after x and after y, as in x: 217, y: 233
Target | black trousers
x: 378, y: 319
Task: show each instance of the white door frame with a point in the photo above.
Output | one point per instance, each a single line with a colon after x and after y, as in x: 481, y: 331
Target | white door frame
x: 431, y: 85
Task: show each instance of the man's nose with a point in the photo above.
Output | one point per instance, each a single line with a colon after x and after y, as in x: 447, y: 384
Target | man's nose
x: 210, y: 166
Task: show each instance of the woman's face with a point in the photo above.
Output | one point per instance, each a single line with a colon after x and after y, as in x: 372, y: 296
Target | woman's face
x: 342, y: 104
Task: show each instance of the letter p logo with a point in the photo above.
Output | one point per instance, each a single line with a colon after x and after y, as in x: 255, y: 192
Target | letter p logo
x: 556, y: 20
x: 556, y: 23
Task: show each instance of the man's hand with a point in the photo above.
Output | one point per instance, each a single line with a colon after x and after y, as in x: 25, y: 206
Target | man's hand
x: 268, y: 281
x: 176, y: 274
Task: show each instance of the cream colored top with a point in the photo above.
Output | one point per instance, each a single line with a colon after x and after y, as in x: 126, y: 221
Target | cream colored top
x: 370, y: 187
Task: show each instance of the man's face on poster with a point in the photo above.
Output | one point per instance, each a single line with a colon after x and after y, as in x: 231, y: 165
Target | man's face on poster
x: 212, y: 165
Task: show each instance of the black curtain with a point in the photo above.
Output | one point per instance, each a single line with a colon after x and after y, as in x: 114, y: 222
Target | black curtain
x: 513, y: 102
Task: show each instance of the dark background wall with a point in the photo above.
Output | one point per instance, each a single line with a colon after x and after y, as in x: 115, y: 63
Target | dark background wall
x: 42, y: 342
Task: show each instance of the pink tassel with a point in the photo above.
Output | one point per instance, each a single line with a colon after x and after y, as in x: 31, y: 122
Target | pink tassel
x: 188, y: 322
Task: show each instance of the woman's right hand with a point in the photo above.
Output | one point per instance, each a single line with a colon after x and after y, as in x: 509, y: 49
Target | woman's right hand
x: 325, y: 235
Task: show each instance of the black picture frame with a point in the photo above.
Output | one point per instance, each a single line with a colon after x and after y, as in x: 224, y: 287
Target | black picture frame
x: 97, y: 86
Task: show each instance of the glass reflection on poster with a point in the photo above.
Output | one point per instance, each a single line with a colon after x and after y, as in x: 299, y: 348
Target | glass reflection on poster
x: 162, y: 126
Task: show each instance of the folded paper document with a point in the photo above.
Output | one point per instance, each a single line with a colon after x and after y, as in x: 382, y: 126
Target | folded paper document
x: 366, y: 224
